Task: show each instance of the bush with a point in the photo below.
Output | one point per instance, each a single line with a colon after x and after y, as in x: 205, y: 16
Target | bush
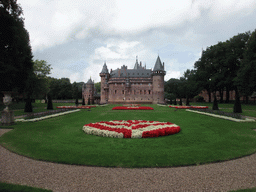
x: 28, y: 105
x: 215, y: 104
x: 199, y: 98
x: 49, y: 103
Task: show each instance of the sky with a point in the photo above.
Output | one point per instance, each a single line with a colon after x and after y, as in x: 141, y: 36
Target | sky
x: 77, y: 37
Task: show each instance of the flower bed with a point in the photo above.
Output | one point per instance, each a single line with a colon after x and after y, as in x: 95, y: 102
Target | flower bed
x: 132, y: 108
x: 131, y: 129
x: 75, y: 107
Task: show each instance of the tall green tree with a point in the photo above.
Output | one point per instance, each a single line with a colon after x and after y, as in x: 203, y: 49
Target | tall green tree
x: 246, y: 77
x: 16, y: 64
x: 41, y: 85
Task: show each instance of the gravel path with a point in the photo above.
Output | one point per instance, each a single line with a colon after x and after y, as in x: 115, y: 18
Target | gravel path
x: 224, y: 176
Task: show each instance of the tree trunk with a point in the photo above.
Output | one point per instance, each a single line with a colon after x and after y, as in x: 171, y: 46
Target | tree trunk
x: 227, y: 95
x: 210, y: 96
x: 187, y: 101
x: 221, y: 95
x: 237, y: 105
x: 215, y: 103
x: 180, y: 102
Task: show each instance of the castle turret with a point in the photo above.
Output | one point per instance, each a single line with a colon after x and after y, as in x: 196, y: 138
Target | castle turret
x: 88, y: 91
x: 104, y: 84
x: 158, y: 82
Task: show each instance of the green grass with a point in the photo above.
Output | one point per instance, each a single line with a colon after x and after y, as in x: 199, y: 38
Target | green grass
x: 245, y: 190
x: 7, y: 187
x: 202, y: 140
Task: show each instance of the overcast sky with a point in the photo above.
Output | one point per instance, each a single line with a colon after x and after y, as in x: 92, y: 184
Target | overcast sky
x: 76, y: 37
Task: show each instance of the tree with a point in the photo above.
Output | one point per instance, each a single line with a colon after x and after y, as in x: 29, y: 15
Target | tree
x: 42, y: 82
x: 15, y: 51
x: 247, y: 73
x: 97, y: 87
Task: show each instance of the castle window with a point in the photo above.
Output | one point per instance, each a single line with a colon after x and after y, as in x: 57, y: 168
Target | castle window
x: 149, y: 84
x: 144, y: 92
x: 149, y: 92
x: 115, y: 84
x: 123, y: 91
x: 115, y: 91
x: 140, y: 92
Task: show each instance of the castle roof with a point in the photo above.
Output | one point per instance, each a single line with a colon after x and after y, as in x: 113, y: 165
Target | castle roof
x: 89, y: 81
x: 131, y: 73
x: 158, y: 65
x: 104, y: 69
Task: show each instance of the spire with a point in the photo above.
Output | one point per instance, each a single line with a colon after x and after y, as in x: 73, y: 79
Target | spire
x: 105, y: 68
x: 158, y: 65
x: 136, y: 66
x: 89, y: 81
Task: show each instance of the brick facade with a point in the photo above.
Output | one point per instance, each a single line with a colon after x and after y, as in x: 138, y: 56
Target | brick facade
x: 138, y: 85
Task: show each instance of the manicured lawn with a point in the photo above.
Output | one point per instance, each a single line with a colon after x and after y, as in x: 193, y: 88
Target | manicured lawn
x: 7, y: 187
x: 202, y: 139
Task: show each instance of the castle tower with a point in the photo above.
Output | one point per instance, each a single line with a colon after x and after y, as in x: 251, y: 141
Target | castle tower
x: 104, y: 84
x: 88, y: 91
x: 158, y: 82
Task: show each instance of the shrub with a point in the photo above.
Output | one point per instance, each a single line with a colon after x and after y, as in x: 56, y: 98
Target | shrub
x: 49, y: 103
x: 28, y: 105
x: 199, y: 98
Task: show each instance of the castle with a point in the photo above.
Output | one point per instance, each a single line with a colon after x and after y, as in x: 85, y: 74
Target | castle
x: 137, y: 85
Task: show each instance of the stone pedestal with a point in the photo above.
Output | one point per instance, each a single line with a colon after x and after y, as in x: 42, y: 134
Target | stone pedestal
x: 7, y: 118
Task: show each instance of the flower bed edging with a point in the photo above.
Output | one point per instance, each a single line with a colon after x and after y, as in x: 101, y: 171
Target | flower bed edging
x: 132, y: 108
x: 223, y: 117
x: 46, y: 117
x: 131, y: 129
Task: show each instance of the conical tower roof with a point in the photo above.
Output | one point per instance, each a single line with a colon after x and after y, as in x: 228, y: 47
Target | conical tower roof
x: 158, y: 65
x: 89, y: 81
x: 105, y: 68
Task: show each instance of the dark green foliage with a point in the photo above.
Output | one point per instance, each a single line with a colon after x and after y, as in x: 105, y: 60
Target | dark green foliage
x: 15, y: 51
x: 28, y: 105
x: 215, y: 104
x: 49, y: 103
x: 199, y: 98
x: 83, y: 102
x: 89, y: 101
